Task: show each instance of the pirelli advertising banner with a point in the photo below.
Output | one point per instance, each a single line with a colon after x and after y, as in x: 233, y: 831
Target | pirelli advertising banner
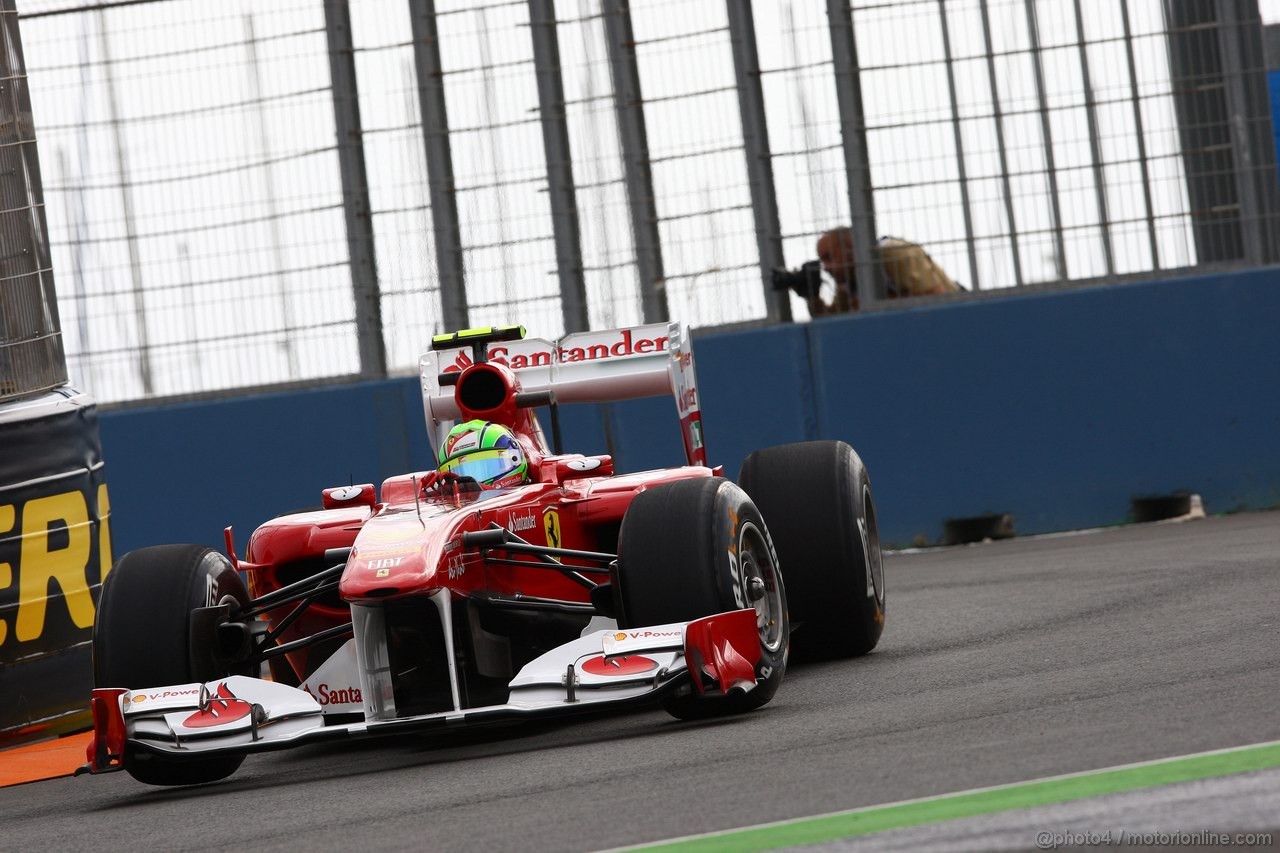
x: 55, y: 548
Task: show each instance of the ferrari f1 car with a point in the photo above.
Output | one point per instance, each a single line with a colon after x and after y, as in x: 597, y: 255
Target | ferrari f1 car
x: 432, y: 604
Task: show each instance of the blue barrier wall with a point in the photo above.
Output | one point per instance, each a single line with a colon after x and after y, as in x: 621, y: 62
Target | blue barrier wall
x: 1061, y: 407
x: 1057, y: 407
x: 189, y: 470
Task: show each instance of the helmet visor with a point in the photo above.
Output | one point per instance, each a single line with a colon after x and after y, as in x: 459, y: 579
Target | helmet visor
x: 485, y: 466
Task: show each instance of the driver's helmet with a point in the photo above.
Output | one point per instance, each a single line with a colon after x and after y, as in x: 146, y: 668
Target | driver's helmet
x: 486, y: 452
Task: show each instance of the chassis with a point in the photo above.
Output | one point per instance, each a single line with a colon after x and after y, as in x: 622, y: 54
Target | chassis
x: 409, y: 609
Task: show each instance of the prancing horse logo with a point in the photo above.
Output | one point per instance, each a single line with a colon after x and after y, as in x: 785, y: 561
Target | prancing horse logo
x: 551, y: 526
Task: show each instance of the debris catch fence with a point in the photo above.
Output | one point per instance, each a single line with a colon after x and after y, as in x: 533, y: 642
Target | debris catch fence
x: 243, y: 194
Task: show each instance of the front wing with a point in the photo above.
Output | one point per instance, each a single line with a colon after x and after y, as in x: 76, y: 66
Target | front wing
x: 240, y: 714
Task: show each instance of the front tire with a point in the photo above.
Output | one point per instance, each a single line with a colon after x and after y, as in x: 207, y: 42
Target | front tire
x: 142, y: 638
x: 816, y: 497
x: 696, y: 548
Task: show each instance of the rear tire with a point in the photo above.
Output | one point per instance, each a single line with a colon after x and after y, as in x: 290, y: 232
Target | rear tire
x: 690, y: 549
x: 142, y: 638
x: 816, y: 498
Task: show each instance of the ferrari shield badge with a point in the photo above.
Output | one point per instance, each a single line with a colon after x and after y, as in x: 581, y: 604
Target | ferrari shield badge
x: 551, y: 527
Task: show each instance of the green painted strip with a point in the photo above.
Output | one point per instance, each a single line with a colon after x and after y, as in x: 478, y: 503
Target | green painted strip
x: 1020, y: 795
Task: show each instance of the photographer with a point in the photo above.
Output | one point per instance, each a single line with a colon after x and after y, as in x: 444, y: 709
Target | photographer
x: 909, y: 271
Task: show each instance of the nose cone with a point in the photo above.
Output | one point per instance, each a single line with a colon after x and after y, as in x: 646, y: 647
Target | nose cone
x: 396, y: 553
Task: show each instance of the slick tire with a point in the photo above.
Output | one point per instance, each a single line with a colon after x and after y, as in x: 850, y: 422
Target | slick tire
x: 816, y: 498
x: 691, y: 549
x: 142, y: 638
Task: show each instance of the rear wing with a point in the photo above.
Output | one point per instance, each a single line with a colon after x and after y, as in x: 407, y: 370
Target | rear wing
x: 584, y: 367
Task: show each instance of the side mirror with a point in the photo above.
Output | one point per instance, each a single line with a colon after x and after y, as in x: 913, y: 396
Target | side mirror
x: 348, y: 496
x: 579, y: 467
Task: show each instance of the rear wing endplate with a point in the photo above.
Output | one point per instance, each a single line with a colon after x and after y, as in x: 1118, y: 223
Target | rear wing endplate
x: 584, y: 367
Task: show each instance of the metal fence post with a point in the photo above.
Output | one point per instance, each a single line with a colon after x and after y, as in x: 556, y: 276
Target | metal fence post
x: 1046, y: 133
x: 997, y: 116
x: 1139, y: 128
x: 441, y: 189
x: 269, y: 186
x: 962, y: 171
x: 74, y: 214
x: 853, y: 127
x: 1220, y: 96
x: 1246, y: 153
x: 555, y: 143
x: 1095, y: 143
x: 355, y: 189
x: 629, y: 105
x: 755, y: 145
x: 126, y: 202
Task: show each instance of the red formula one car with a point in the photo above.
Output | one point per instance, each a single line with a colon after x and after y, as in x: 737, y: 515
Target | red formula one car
x: 436, y: 602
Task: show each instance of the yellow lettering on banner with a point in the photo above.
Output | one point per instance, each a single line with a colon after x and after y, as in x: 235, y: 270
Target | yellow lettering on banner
x: 6, y: 571
x: 65, y: 565
x: 104, y: 531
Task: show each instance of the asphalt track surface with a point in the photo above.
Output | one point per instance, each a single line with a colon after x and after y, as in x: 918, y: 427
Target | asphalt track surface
x: 1001, y: 662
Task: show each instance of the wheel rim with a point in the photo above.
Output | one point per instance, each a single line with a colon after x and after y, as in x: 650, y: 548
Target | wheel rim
x: 755, y: 557
x: 875, y: 560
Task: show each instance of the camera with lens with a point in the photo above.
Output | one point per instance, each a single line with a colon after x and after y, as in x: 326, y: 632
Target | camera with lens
x: 804, y: 281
